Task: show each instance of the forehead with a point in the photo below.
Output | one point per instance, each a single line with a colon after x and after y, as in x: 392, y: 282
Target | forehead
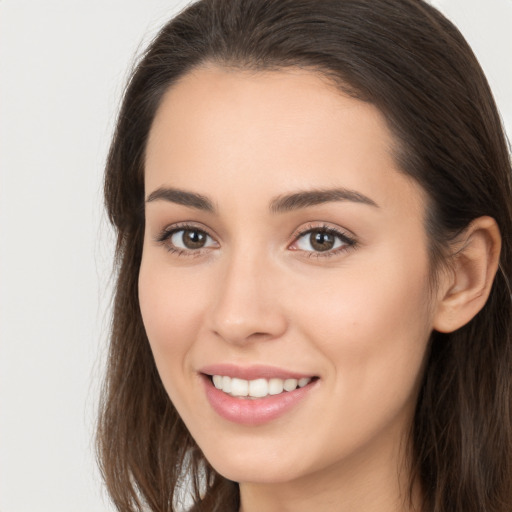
x: 287, y: 129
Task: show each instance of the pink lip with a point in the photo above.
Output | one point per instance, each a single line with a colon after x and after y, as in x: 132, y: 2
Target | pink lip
x: 251, y: 372
x: 257, y: 411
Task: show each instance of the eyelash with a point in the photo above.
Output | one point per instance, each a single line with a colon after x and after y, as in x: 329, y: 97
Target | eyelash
x: 165, y: 235
x: 348, y: 241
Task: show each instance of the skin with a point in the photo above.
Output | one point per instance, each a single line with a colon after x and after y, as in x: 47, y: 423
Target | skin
x: 257, y: 293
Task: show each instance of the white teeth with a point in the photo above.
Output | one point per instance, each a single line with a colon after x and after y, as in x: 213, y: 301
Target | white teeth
x: 257, y: 388
x: 275, y: 386
x: 290, y: 384
x: 217, y: 381
x: 239, y: 387
x: 226, y: 384
x: 304, y: 382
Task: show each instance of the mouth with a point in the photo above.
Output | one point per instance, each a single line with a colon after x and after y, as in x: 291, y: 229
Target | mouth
x: 257, y: 395
x: 257, y: 388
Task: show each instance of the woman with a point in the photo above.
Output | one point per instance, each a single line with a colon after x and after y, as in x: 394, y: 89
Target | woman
x: 313, y: 204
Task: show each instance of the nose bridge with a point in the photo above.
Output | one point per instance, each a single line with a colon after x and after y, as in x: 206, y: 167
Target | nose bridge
x: 246, y: 305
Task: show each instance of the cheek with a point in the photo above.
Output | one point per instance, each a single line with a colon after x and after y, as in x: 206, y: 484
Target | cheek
x: 371, y: 301
x: 170, y: 309
x: 373, y: 329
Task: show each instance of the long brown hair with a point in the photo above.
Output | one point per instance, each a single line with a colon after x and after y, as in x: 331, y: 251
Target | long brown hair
x: 404, y: 57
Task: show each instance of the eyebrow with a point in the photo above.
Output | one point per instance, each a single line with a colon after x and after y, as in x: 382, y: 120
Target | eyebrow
x: 280, y: 204
x: 182, y: 197
x: 307, y: 198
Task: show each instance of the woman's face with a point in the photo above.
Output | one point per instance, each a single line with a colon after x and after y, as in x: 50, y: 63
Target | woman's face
x: 285, y: 254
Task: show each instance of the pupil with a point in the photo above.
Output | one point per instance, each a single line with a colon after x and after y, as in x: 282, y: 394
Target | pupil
x: 322, y: 241
x: 193, y: 239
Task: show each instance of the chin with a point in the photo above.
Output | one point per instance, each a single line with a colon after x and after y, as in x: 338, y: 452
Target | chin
x: 262, y: 467
x: 255, y: 475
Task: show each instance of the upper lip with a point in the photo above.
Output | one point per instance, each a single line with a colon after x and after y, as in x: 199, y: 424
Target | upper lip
x: 252, y: 372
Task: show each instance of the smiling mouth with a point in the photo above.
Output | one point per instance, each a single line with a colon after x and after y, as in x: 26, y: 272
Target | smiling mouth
x: 257, y: 388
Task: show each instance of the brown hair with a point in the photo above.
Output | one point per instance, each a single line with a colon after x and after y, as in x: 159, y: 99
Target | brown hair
x: 404, y: 57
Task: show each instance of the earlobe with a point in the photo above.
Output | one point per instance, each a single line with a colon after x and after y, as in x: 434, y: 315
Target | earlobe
x: 465, y: 289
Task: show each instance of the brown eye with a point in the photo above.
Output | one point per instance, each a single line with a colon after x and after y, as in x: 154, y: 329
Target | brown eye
x: 193, y: 239
x: 321, y: 241
x: 190, y: 239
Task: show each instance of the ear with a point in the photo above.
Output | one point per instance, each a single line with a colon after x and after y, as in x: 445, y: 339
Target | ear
x: 465, y: 288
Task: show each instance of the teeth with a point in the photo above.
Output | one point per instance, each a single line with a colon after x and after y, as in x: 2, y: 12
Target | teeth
x: 275, y: 386
x: 226, y: 384
x: 257, y: 388
x: 304, y: 382
x: 290, y: 384
x: 217, y: 381
x: 239, y: 387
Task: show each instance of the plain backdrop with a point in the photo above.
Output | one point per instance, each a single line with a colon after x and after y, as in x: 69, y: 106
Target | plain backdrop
x: 63, y: 65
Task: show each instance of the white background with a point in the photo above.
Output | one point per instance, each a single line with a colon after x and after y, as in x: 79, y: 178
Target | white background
x: 63, y: 64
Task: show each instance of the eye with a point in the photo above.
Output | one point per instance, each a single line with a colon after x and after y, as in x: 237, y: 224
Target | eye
x: 190, y: 239
x: 322, y: 240
x: 186, y: 239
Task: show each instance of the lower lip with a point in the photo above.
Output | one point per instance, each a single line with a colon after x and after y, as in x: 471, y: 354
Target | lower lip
x: 257, y: 411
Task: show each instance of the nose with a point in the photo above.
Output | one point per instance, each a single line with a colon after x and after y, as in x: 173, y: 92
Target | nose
x: 247, y: 303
